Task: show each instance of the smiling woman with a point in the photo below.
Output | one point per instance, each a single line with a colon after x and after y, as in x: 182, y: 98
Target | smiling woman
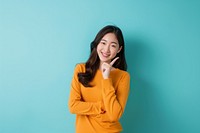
x: 100, y: 87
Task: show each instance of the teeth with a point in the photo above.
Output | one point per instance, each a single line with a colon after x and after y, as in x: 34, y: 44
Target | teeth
x: 106, y: 55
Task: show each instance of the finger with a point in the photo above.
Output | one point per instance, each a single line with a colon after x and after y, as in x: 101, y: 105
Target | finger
x: 113, y: 61
x: 105, y: 66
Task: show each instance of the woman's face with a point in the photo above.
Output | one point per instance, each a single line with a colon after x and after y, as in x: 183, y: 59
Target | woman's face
x: 108, y: 48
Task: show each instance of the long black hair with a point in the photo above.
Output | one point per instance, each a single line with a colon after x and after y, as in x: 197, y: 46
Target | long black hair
x: 92, y: 64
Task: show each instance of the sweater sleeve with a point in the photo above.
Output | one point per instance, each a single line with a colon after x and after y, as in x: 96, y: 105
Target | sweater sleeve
x: 115, y: 100
x: 76, y: 104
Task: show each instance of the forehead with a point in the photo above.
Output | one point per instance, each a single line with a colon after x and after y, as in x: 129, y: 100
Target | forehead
x: 110, y: 37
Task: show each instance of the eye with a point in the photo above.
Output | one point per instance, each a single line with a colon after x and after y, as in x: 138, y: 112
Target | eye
x: 114, y: 46
x: 103, y: 43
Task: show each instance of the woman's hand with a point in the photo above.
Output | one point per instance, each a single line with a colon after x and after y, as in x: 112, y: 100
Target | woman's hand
x: 106, y: 68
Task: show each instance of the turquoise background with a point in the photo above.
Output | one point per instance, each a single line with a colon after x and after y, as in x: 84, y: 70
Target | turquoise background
x: 42, y: 40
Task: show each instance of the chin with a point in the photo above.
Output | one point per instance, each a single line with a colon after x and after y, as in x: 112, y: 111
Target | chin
x: 105, y: 60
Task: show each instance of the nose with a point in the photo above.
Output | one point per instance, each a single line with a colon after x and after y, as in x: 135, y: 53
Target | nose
x: 107, y: 48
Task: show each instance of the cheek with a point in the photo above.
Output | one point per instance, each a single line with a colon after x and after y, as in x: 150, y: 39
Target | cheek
x: 114, y: 51
x: 98, y: 49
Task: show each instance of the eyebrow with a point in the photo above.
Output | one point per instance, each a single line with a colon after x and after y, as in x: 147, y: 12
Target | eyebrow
x: 106, y: 41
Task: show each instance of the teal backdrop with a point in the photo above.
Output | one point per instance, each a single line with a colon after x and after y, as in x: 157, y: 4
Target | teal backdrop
x: 42, y: 40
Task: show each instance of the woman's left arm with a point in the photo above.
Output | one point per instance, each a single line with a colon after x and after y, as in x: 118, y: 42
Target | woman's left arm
x: 115, y: 99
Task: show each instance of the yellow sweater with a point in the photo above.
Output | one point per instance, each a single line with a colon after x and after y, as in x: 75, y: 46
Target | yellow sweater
x: 99, y: 108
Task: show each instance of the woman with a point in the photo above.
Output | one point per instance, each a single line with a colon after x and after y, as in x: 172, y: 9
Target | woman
x: 100, y: 87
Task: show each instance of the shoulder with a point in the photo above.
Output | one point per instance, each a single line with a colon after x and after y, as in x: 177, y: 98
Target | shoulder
x: 122, y: 74
x: 125, y: 73
x: 80, y: 67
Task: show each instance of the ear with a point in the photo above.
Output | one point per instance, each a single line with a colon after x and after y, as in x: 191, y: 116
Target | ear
x: 119, y: 49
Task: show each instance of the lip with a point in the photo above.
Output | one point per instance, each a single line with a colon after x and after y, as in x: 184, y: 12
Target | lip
x: 105, y: 54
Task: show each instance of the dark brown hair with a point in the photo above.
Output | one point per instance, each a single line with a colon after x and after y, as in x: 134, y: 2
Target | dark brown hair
x: 92, y: 64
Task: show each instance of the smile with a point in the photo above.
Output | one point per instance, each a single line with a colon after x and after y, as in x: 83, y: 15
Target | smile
x: 105, y: 55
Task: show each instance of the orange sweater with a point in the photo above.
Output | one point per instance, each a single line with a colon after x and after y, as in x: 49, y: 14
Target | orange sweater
x: 99, y: 108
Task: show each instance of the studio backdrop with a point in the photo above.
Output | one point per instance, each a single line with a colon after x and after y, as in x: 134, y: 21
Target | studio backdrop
x: 41, y: 41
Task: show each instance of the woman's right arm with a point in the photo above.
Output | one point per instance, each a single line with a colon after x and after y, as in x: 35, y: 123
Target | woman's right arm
x: 76, y: 104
